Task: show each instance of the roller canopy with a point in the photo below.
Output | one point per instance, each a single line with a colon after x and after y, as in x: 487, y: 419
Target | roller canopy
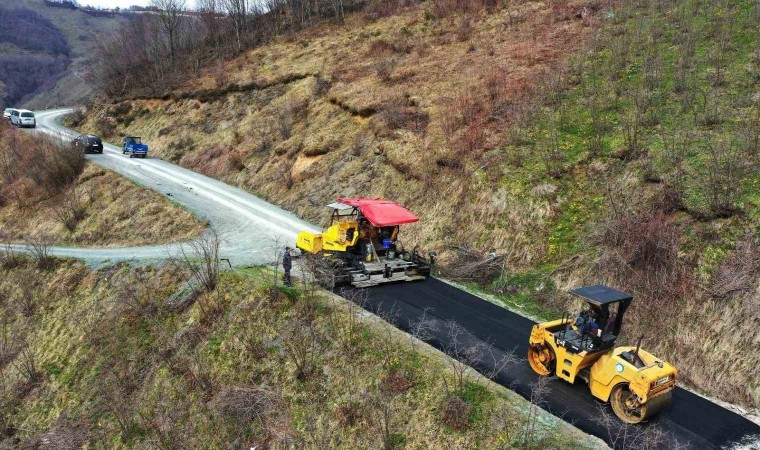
x: 381, y: 213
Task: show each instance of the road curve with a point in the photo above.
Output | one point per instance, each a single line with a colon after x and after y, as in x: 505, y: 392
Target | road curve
x: 247, y: 225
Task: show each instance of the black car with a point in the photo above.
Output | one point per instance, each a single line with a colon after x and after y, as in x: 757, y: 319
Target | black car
x: 89, y: 143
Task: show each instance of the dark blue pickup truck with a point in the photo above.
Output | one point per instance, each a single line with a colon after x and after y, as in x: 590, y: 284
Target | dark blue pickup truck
x: 134, y: 146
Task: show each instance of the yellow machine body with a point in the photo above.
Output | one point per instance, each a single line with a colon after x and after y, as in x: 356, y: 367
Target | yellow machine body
x: 361, y: 244
x: 635, y: 382
x: 334, y: 239
x: 607, y: 369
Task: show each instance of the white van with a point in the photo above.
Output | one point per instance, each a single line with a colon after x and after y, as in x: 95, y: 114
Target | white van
x: 23, y: 118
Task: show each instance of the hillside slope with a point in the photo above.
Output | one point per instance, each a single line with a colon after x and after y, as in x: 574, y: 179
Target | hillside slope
x: 245, y: 365
x: 586, y: 142
x: 57, y: 74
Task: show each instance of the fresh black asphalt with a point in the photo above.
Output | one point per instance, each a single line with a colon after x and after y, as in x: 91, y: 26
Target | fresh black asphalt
x: 690, y: 421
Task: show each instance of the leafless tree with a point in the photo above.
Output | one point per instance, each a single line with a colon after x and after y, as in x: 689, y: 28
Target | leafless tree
x: 210, y: 13
x: 171, y: 13
x: 238, y: 10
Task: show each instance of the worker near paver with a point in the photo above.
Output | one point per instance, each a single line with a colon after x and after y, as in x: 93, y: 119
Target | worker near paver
x: 287, y: 264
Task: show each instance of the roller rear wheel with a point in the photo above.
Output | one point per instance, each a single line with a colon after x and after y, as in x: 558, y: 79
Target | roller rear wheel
x: 541, y: 359
x: 629, y: 409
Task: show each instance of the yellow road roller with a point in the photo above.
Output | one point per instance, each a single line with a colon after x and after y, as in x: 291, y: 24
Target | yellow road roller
x: 637, y: 384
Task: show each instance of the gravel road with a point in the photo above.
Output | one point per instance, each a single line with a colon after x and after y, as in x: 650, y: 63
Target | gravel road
x: 248, y: 226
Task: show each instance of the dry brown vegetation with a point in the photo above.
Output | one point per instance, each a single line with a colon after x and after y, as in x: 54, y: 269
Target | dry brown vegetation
x: 239, y: 365
x: 633, y: 162
x: 48, y: 192
x: 398, y: 105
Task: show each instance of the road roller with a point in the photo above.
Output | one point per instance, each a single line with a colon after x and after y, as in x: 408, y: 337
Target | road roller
x: 636, y: 383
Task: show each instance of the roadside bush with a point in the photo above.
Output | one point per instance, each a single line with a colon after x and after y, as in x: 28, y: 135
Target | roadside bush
x: 245, y: 404
x: 34, y: 168
x: 455, y: 413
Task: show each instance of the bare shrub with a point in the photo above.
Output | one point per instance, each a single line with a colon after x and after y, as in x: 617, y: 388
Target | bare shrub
x: 455, y: 413
x: 27, y: 363
x: 195, y: 373
x: 349, y: 413
x: 39, y: 247
x: 349, y: 325
x: 26, y: 298
x: 384, y: 68
x: 137, y: 294
x: 64, y: 435
x: 398, y: 115
x: 739, y: 273
x: 303, y: 346
x: 474, y: 266
x: 538, y: 392
x: 382, y: 418
x: 9, y: 345
x: 445, y: 8
x: 71, y: 207
x: 722, y: 176
x: 646, y: 240
x: 397, y: 381
x: 201, y: 259
x: 639, y: 436
x: 9, y: 258
x: 551, y: 153
x: 246, y: 404
x: 464, y: 353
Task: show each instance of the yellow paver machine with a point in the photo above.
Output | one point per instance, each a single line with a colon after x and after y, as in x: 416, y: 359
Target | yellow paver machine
x: 362, y: 246
x: 637, y: 384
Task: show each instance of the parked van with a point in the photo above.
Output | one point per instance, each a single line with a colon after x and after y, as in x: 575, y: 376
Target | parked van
x: 23, y: 118
x: 7, y: 113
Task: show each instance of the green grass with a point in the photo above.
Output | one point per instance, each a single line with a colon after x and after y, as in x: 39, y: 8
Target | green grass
x: 162, y: 379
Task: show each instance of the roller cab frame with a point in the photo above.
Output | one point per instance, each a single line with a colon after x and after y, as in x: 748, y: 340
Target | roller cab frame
x: 361, y: 246
x: 636, y: 383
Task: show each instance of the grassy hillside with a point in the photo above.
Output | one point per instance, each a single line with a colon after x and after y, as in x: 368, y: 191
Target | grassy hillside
x: 79, y: 33
x: 586, y: 142
x: 241, y: 366
x: 110, y: 210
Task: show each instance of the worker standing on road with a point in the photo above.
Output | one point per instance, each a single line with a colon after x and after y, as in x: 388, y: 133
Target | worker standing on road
x: 287, y: 264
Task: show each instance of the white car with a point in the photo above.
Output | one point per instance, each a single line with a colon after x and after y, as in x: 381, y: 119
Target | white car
x: 23, y: 118
x: 7, y: 113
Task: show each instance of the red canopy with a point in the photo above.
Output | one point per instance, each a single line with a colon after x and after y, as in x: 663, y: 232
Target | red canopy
x: 381, y: 213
